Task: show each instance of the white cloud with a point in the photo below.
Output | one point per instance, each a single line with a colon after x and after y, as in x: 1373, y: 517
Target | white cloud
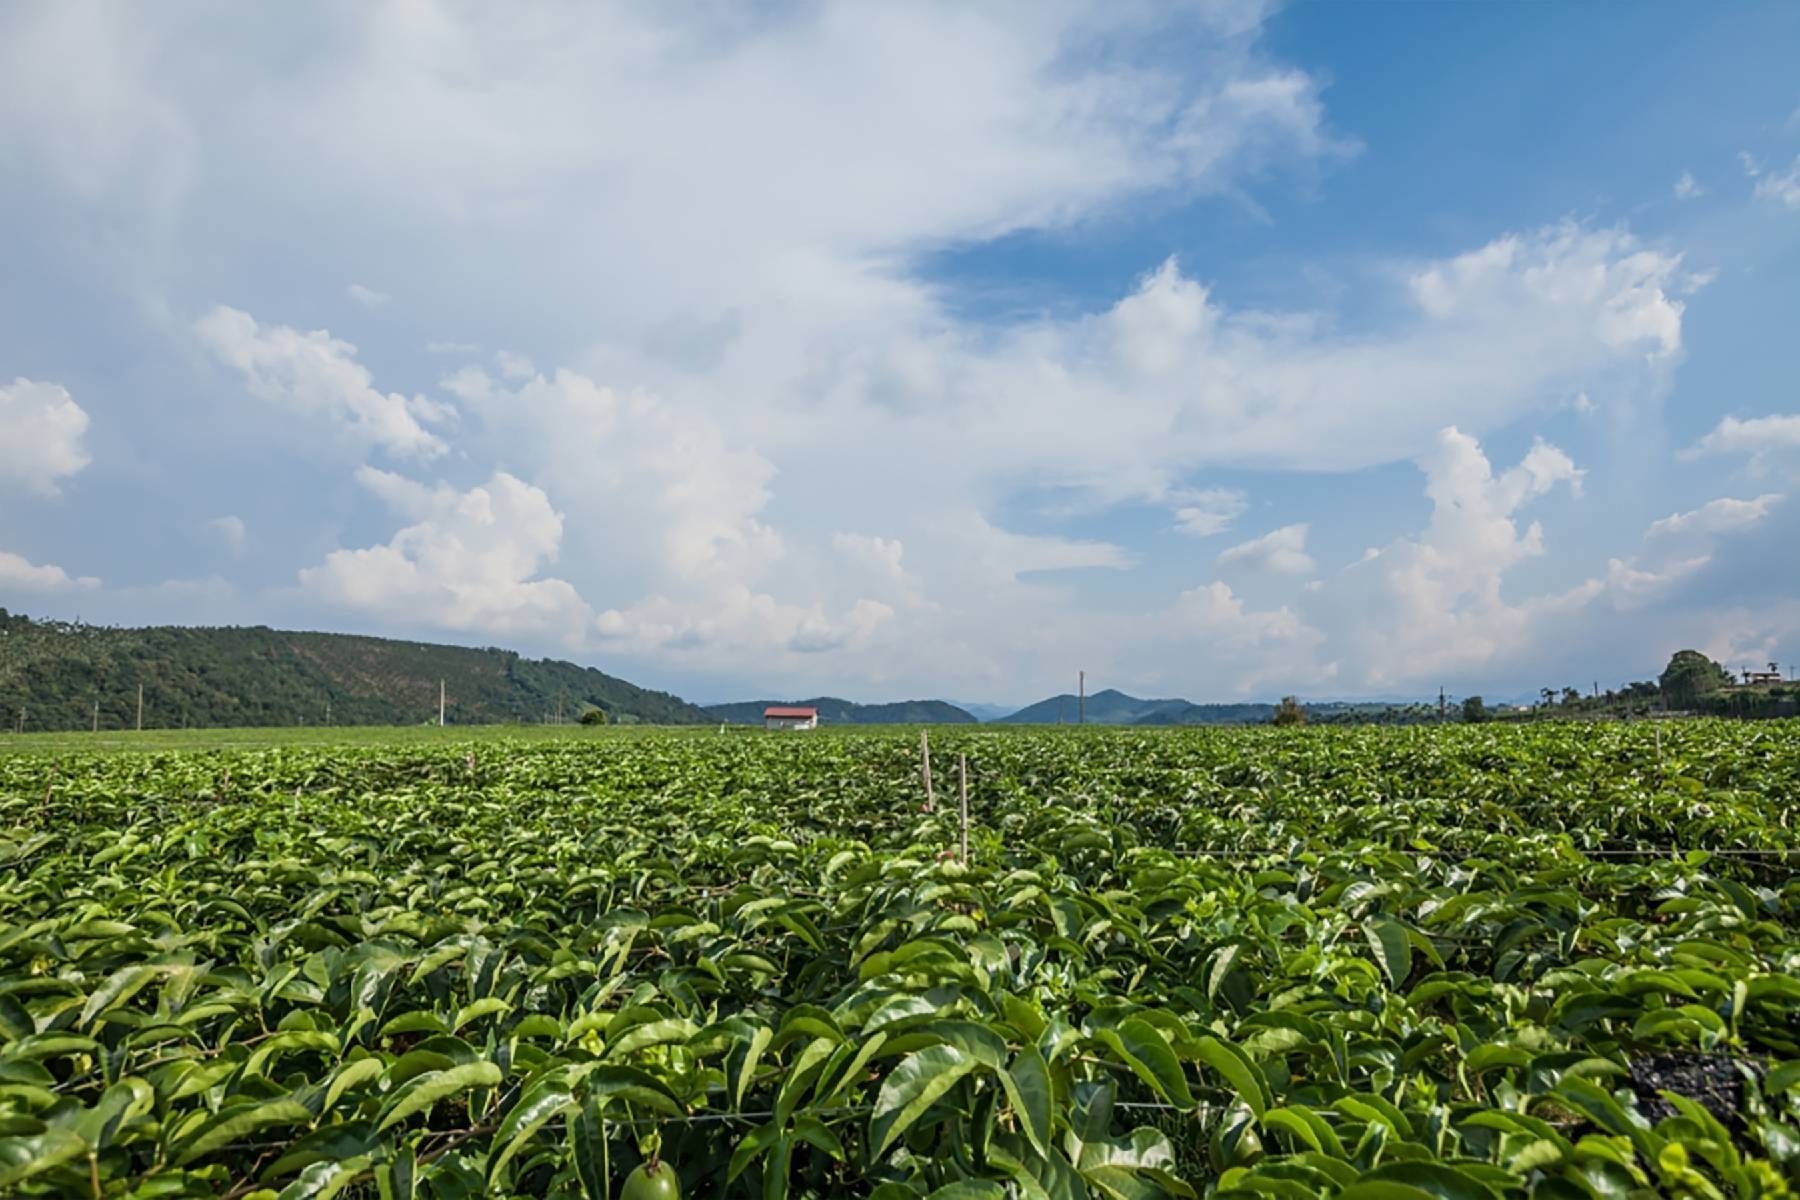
x: 41, y: 432
x: 1759, y: 437
x: 317, y: 375
x: 1782, y: 187
x: 19, y: 573
x: 1433, y: 604
x: 231, y: 531
x: 1253, y: 647
x: 1687, y: 187
x: 461, y: 349
x: 1209, y: 511
x: 514, y: 366
x: 1282, y: 552
x: 470, y: 561
x: 1724, y: 515
x: 366, y: 296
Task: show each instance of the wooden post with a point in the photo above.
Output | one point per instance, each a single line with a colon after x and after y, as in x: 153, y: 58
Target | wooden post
x: 140, y: 721
x: 440, y: 704
x: 962, y: 774
x: 96, y: 716
x: 925, y: 759
x: 1081, y: 699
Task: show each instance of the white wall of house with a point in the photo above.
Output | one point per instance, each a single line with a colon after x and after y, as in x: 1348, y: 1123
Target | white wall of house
x: 790, y: 722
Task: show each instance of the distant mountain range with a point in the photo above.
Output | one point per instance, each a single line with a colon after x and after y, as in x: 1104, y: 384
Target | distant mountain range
x: 833, y: 711
x: 1113, y: 707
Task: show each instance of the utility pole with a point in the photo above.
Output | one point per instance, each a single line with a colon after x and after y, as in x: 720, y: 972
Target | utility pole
x: 440, y: 704
x: 559, y: 710
x: 1081, y: 698
x: 140, y: 721
x: 96, y: 716
x: 1441, y: 704
x: 328, y: 712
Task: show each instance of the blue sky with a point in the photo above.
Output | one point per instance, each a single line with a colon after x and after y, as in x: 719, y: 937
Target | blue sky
x: 1221, y: 350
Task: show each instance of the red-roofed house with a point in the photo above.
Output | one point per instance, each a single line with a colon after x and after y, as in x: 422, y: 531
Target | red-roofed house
x: 783, y: 716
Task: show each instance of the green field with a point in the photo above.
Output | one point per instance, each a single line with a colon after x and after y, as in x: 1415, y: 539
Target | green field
x: 1558, y: 960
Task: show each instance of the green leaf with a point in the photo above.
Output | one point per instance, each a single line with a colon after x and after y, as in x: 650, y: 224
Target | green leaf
x: 1307, y: 1126
x: 23, y: 1157
x: 587, y: 1146
x: 817, y: 1134
x: 635, y: 1085
x: 1028, y: 1090
x: 1387, y: 937
x: 852, y: 1072
x: 969, y: 1189
x: 759, y: 1042
x: 418, y: 1095
x: 912, y: 1087
x: 400, y: 1179
x: 119, y: 987
x: 1239, y: 1072
x: 1148, y: 1055
x: 1427, y: 1178
x: 234, y: 1124
x: 322, y: 1180
x: 548, y: 1098
x: 361, y: 1071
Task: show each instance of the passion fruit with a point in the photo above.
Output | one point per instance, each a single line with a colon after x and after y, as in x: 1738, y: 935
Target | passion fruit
x: 1235, y: 1143
x: 654, y: 1180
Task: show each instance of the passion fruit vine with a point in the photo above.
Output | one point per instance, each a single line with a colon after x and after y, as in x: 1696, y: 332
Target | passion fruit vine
x: 654, y: 1180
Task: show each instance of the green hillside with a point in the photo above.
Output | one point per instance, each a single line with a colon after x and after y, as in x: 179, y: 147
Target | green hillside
x: 1110, y: 707
x: 833, y: 711
x: 243, y: 676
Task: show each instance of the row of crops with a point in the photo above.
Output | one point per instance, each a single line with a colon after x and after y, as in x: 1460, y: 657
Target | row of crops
x: 1463, y: 962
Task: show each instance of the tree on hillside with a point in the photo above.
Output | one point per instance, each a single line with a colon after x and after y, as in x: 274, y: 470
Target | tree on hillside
x: 1690, y: 676
x: 1474, y: 710
x: 1289, y: 712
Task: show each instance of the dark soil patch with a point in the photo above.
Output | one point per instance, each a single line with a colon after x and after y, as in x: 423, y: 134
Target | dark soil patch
x: 1713, y: 1081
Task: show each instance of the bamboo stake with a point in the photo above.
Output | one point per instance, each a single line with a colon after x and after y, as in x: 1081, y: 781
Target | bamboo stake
x: 962, y: 771
x: 925, y: 756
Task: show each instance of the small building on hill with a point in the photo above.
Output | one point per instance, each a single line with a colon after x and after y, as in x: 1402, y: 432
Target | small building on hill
x: 783, y: 716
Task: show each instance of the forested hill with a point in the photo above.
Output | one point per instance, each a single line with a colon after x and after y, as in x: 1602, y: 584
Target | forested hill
x: 833, y: 711
x: 254, y: 675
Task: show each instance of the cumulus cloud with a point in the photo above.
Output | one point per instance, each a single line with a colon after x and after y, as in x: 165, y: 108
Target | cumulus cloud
x: 368, y: 297
x: 1282, y: 552
x: 317, y: 375
x: 469, y: 561
x: 1687, y: 187
x: 16, y: 572
x: 41, y: 436
x: 1206, y: 512
x: 1780, y: 187
x: 1760, y: 438
x: 1724, y: 515
x: 1433, y: 603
